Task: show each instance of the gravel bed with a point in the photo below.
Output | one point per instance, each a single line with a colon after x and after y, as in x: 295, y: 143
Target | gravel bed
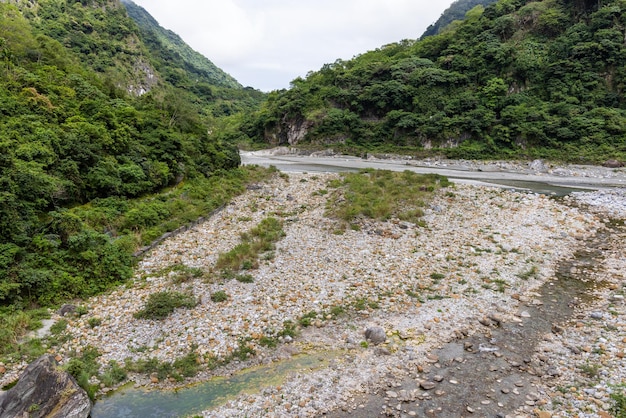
x: 482, y: 250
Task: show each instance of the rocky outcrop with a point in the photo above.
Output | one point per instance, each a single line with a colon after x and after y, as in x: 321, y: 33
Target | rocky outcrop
x: 45, y: 391
x: 289, y: 131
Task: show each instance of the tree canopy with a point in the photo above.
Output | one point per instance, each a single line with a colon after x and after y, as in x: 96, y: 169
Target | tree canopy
x: 76, y: 131
x: 515, y: 79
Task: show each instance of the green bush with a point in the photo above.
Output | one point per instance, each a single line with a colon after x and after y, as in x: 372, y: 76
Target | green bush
x: 245, y: 278
x: 160, y: 305
x: 83, y: 368
x: 260, y: 239
x: 113, y: 374
x: 219, y: 296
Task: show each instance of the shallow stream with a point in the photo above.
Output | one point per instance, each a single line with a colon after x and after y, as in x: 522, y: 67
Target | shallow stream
x: 130, y: 402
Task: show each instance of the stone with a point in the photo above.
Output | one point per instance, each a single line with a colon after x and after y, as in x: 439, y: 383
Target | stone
x: 485, y: 321
x: 613, y: 164
x: 54, y: 392
x: 538, y: 166
x: 427, y: 385
x: 375, y: 335
x: 496, y: 318
x: 382, y: 351
x: 596, y: 315
x: 66, y: 309
x: 432, y: 358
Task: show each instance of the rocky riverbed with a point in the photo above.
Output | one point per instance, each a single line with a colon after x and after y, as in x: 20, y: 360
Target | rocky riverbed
x: 482, y: 263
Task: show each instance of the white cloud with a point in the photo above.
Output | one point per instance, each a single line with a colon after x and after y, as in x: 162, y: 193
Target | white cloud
x: 266, y: 44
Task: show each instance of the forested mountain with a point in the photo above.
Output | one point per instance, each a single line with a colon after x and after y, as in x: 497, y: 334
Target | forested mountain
x: 520, y: 79
x: 88, y: 124
x: 180, y: 65
x: 455, y: 12
x: 174, y: 55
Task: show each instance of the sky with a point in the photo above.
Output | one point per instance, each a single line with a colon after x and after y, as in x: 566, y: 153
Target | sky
x: 266, y: 44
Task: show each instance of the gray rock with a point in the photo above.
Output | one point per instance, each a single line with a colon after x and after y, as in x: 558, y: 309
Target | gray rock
x: 613, y: 164
x: 427, y: 385
x: 596, y: 315
x: 375, y: 335
x: 45, y: 391
x: 538, y: 166
x: 66, y: 309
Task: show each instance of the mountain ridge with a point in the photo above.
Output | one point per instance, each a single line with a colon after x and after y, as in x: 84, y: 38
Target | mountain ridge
x: 176, y: 48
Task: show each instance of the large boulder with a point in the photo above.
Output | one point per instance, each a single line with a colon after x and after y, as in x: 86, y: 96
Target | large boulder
x: 375, y: 335
x: 45, y: 391
x: 613, y: 164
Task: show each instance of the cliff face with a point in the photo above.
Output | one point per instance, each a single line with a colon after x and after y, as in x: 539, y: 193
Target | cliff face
x: 290, y: 131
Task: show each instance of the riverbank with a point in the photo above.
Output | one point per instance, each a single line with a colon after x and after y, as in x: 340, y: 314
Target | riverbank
x: 516, y: 173
x: 482, y: 252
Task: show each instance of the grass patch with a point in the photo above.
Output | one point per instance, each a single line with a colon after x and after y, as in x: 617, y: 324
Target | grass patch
x: 186, y: 366
x: 618, y: 399
x: 160, y: 305
x: 590, y: 370
x: 382, y: 194
x: 219, y: 296
x: 289, y: 330
x: 260, y: 239
x: 113, y: 374
x: 245, y: 278
x: 180, y: 273
x: 83, y: 368
x: 94, y: 322
x: 307, y: 319
x: 16, y: 324
x: 528, y: 274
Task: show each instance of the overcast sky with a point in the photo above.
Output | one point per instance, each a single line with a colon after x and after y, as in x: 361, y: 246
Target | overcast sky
x: 266, y: 44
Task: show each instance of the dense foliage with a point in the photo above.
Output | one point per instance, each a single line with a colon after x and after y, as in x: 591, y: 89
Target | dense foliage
x: 519, y: 79
x: 174, y: 55
x: 455, y: 12
x: 198, y: 78
x: 81, y: 156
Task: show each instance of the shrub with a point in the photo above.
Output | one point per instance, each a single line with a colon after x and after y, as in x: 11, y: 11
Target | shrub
x: 219, y: 296
x: 160, y: 305
x: 245, y: 278
x: 94, y: 322
x: 114, y: 374
x: 58, y: 327
x: 244, y: 256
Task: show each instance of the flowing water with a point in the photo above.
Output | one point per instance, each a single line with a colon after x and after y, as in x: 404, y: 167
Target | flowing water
x: 130, y: 402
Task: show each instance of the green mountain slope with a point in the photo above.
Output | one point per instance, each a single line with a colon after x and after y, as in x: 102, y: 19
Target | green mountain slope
x: 521, y: 79
x: 173, y: 54
x: 85, y: 159
x: 455, y: 12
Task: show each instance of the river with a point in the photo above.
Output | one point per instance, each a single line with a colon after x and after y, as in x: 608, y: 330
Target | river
x: 545, y: 183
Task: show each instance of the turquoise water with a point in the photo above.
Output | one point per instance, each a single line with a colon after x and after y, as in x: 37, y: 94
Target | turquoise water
x: 134, y: 403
